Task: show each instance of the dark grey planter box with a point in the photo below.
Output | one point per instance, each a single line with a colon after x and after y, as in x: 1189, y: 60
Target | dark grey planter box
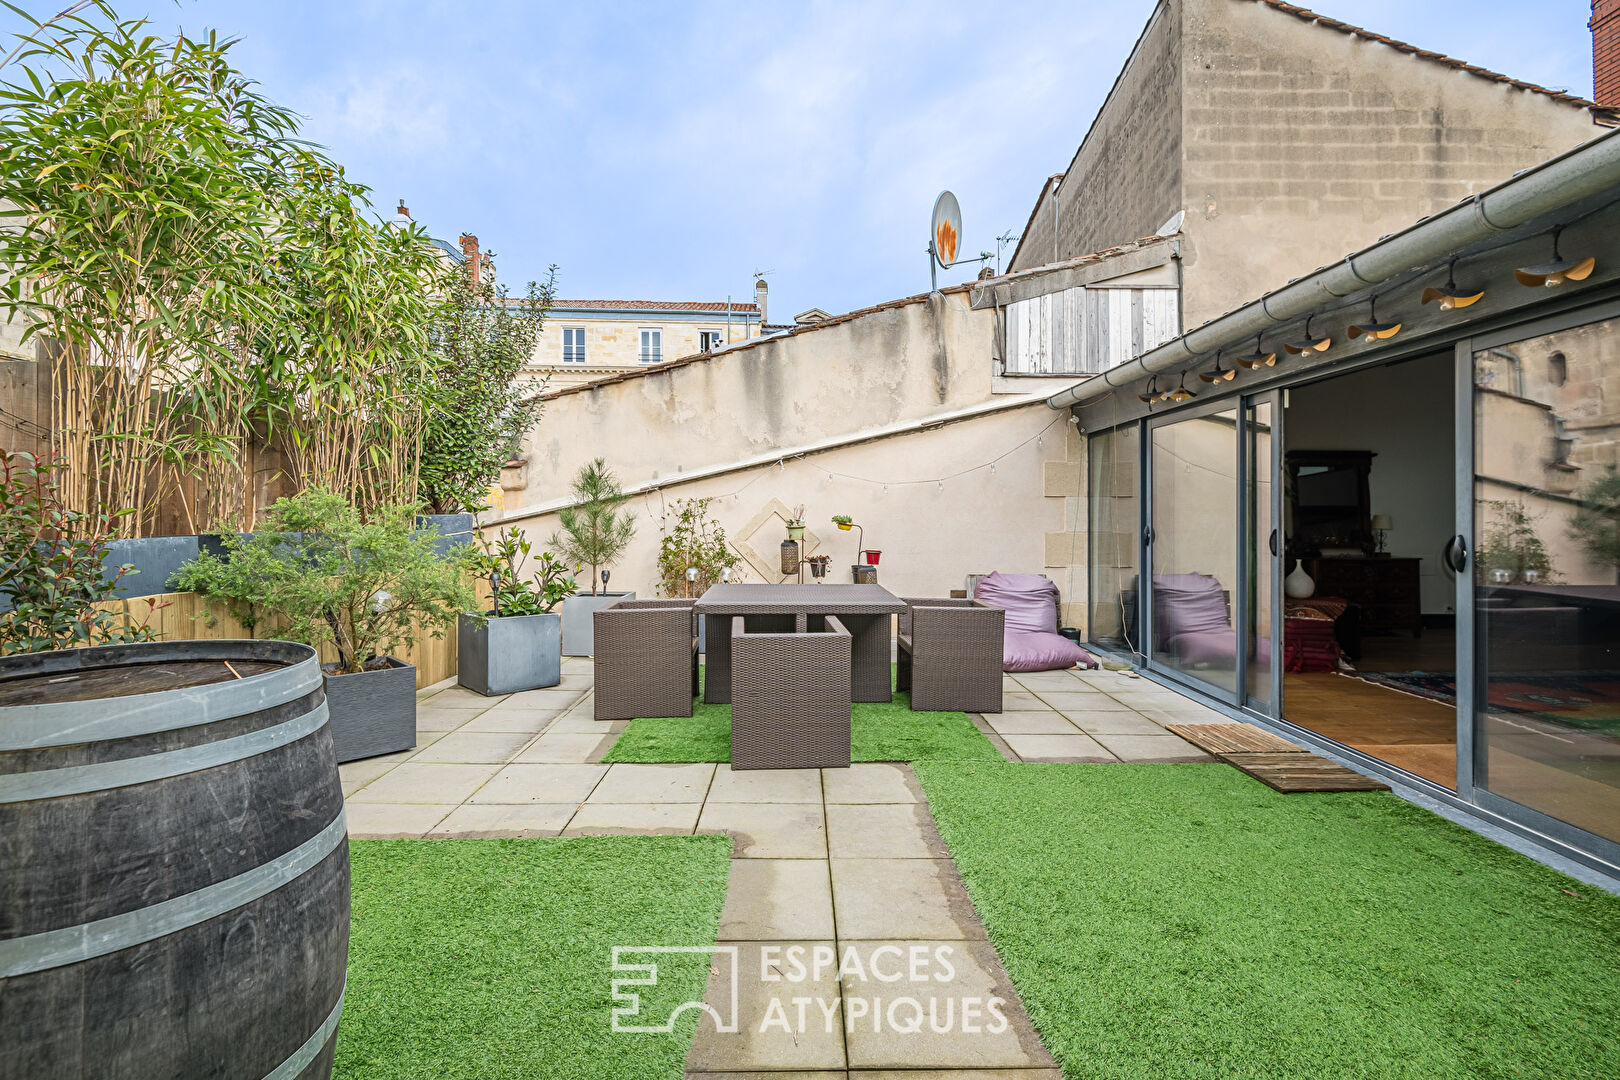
x: 373, y: 712
x: 579, y: 620
x: 453, y: 530
x: 156, y: 557
x: 508, y: 654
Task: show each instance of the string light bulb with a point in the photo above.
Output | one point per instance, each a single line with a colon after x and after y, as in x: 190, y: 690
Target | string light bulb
x: 1375, y: 330
x: 1555, y: 273
x: 1451, y: 296
x: 1259, y: 358
x: 1218, y: 373
x: 1309, y: 344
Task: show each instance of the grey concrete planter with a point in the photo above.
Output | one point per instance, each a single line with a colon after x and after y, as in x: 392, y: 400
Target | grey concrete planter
x: 372, y: 712
x: 510, y: 653
x: 579, y: 623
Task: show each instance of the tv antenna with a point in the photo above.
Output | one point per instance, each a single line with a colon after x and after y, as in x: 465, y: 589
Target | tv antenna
x: 1002, y: 241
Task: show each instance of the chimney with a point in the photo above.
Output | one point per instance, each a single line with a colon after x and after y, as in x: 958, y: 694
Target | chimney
x: 760, y: 288
x: 403, y: 211
x: 1605, y: 26
x: 469, y: 252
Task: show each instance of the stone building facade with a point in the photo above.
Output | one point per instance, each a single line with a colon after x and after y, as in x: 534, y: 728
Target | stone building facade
x: 1287, y: 138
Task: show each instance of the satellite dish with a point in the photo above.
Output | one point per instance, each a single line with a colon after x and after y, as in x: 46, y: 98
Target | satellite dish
x: 946, y: 229
x: 1173, y: 226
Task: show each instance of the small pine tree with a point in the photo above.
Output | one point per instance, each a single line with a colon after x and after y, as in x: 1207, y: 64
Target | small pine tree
x: 594, y: 531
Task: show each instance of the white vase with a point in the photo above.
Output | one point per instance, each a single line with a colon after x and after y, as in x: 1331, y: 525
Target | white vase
x: 1299, y: 584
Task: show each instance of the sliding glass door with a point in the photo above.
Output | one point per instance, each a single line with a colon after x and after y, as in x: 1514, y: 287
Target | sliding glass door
x: 1538, y: 573
x: 1192, y: 540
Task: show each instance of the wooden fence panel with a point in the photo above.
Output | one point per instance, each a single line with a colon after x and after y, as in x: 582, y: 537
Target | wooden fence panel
x: 185, y: 616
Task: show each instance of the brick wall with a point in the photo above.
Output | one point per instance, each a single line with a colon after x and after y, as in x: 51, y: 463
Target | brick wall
x: 1605, y: 26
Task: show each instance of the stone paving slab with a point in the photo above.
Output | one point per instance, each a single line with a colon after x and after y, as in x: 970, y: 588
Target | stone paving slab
x: 766, y: 786
x: 654, y: 784
x: 566, y: 747
x: 394, y: 819
x: 770, y: 899
x: 501, y: 718
x: 1094, y: 701
x: 410, y: 782
x: 866, y: 783
x: 768, y: 830
x: 1125, y: 722
x: 474, y: 747
x: 1148, y: 748
x: 882, y: 831
x: 505, y: 819
x: 819, y: 1046
x: 655, y: 819
x: 1045, y: 722
x: 965, y: 1003
x: 901, y: 898
x: 539, y: 783
x: 1076, y: 747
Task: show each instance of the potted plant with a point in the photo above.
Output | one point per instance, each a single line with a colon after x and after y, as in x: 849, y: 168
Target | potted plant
x: 594, y: 533
x: 517, y: 644
x: 317, y: 572
x: 795, y: 524
x: 1512, y: 550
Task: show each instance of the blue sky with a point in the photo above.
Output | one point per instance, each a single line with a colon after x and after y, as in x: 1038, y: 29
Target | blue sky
x: 668, y: 150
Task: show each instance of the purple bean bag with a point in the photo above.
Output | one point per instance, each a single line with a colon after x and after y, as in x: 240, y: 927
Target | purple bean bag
x: 1031, y: 641
x: 1189, y: 616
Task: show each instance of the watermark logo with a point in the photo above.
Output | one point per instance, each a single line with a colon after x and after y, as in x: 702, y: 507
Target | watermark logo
x: 645, y: 974
x: 906, y: 990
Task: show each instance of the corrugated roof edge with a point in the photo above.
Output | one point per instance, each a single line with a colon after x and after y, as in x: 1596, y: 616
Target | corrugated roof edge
x: 694, y: 358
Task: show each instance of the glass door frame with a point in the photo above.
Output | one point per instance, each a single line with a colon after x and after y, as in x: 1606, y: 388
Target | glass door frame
x: 1263, y: 548
x: 1242, y: 502
x: 1471, y: 663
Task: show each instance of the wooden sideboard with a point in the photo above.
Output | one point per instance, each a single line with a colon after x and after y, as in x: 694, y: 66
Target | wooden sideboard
x: 1386, y: 588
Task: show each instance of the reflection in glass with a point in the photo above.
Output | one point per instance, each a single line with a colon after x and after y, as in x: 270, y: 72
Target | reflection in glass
x: 1546, y: 574
x: 1194, y: 547
x: 1112, y: 460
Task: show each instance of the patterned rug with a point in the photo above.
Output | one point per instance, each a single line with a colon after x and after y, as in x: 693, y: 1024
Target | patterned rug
x: 1586, y: 700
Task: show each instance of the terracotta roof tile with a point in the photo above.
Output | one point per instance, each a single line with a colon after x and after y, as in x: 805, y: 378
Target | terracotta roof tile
x: 654, y: 305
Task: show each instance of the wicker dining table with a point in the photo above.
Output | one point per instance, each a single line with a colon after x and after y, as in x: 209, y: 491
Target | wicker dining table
x: 863, y: 609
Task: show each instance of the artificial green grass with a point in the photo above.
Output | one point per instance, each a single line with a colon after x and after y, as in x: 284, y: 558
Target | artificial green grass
x: 878, y: 731
x: 490, y: 959
x: 1187, y: 921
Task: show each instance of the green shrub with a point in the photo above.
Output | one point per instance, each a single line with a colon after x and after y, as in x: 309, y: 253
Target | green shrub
x: 50, y: 565
x: 693, y: 541
x: 318, y: 571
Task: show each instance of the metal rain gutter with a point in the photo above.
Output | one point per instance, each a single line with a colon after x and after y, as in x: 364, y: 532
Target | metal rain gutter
x: 1574, y: 175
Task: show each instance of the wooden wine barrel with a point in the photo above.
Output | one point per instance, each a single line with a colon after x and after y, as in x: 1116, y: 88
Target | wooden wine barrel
x: 174, y: 864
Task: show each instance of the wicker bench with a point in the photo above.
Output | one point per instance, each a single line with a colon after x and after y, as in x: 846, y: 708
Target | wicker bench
x: 950, y: 655
x: 790, y: 695
x: 646, y: 659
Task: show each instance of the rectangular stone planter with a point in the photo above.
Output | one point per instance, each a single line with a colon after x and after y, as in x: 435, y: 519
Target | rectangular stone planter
x: 510, y: 653
x: 579, y: 623
x: 373, y: 712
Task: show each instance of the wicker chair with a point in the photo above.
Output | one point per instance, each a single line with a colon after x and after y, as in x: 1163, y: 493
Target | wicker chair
x: 790, y: 696
x: 950, y: 655
x: 646, y: 659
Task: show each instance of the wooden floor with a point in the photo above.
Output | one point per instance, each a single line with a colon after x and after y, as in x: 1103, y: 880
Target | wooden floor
x: 1409, y: 732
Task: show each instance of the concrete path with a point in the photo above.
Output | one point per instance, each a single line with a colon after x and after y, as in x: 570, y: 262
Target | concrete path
x: 847, y: 936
